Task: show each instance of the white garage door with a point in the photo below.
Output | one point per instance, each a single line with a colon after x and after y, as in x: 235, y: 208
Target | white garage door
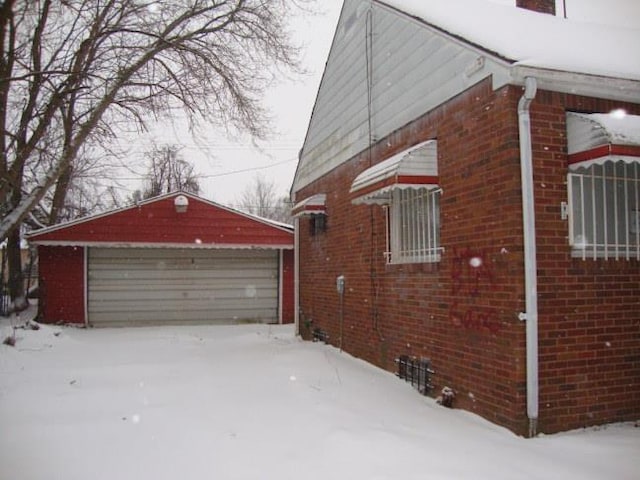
x: 155, y: 286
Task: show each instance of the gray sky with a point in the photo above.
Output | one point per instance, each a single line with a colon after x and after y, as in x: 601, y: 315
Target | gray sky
x: 226, y: 166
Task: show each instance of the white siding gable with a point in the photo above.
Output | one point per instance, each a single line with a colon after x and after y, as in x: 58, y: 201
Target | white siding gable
x: 414, y: 68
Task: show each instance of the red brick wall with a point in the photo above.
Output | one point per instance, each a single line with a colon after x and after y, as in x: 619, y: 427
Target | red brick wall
x: 465, y: 318
x: 61, y: 280
x: 589, y: 315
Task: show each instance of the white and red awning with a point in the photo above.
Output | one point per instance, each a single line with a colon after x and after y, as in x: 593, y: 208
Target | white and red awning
x: 314, y: 205
x: 415, y: 167
x: 598, y: 138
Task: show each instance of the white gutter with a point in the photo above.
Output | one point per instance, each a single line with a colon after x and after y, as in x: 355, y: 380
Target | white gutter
x: 612, y: 88
x: 530, y: 264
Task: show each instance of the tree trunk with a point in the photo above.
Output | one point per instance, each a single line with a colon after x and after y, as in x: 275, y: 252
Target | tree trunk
x: 16, y: 277
x: 60, y: 195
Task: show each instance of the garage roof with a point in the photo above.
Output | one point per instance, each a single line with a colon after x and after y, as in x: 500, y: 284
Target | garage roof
x: 157, y: 223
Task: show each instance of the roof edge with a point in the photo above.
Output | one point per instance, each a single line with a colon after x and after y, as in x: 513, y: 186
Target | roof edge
x: 588, y: 85
x: 53, y: 228
x: 194, y: 246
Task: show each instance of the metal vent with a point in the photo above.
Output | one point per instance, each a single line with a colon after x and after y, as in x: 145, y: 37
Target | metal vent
x: 417, y: 371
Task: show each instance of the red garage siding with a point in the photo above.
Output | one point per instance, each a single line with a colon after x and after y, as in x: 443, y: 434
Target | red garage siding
x: 288, y: 268
x: 155, y: 223
x: 61, y: 271
x: 204, y: 223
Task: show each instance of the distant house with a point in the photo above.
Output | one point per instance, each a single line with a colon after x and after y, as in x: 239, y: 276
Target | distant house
x: 174, y: 259
x: 471, y: 173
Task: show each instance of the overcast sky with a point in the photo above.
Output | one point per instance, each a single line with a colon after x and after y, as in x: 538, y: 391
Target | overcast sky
x: 227, y: 167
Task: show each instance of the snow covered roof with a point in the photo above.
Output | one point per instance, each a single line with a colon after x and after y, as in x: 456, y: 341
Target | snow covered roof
x: 533, y: 39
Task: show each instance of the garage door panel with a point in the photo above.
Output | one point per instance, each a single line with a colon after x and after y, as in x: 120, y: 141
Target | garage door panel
x: 199, y: 308
x: 173, y: 318
x: 113, y: 294
x: 155, y: 286
x: 102, y: 277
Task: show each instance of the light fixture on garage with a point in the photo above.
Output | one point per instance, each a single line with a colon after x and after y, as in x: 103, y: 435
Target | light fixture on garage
x: 181, y: 203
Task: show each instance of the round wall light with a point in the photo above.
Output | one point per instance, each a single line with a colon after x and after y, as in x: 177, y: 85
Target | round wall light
x: 181, y: 203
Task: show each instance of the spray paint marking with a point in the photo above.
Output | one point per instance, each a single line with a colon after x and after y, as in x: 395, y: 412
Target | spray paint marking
x: 471, y: 274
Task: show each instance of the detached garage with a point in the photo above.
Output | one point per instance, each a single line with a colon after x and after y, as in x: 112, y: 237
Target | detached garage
x: 174, y: 259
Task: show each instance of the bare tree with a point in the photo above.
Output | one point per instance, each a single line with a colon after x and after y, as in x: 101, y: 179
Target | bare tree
x: 168, y: 172
x: 72, y: 71
x: 260, y: 198
x: 83, y: 189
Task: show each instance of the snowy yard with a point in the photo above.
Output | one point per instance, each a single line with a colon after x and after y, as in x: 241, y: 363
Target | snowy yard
x: 253, y: 402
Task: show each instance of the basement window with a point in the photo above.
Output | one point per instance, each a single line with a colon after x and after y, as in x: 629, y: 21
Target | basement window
x: 413, y: 226
x: 604, y: 211
x: 317, y: 224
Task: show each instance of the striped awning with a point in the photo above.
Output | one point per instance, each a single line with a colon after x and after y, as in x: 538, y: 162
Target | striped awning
x: 415, y: 167
x: 597, y: 138
x: 314, y: 205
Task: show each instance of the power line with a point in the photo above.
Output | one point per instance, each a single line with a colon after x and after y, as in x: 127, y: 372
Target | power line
x: 223, y: 174
x: 248, y: 169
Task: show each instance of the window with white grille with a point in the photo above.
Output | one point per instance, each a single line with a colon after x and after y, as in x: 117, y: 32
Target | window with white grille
x: 604, y: 211
x: 413, y: 226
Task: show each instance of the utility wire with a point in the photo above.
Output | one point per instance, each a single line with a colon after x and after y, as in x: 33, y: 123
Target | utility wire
x: 223, y: 174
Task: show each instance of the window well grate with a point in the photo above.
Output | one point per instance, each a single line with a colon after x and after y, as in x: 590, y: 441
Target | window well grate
x: 319, y: 335
x: 417, y: 371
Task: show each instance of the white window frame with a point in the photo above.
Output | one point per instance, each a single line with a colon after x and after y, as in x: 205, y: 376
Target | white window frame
x: 413, y: 226
x: 609, y: 227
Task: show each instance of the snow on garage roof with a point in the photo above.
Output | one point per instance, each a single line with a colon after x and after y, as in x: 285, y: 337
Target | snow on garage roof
x: 533, y: 39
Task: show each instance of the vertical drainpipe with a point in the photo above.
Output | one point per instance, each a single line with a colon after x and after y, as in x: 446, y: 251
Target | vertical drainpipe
x: 530, y: 315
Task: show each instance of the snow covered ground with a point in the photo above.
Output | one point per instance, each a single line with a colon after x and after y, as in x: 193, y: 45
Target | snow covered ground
x: 253, y: 402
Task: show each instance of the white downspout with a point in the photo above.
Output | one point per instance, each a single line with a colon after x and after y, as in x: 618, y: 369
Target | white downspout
x: 530, y: 264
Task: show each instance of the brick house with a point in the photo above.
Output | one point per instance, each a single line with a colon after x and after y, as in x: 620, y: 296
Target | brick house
x: 472, y: 177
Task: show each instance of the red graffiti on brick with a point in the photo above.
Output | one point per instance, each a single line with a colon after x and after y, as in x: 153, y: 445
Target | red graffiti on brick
x: 478, y: 319
x: 472, y: 274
